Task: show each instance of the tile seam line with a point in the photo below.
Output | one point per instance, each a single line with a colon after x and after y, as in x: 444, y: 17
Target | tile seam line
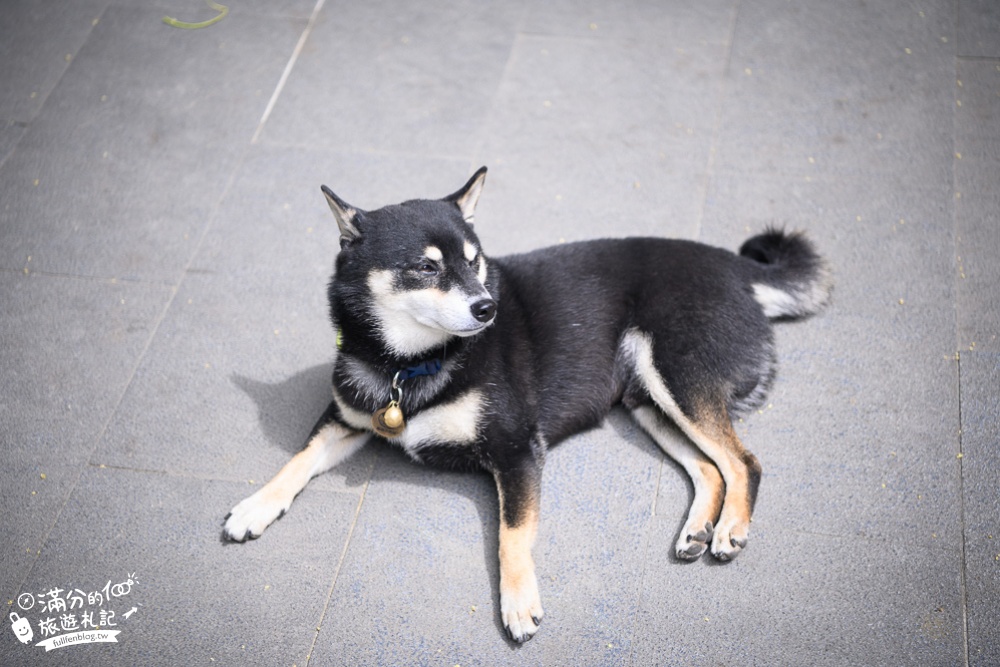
x: 82, y: 277
x: 491, y: 114
x: 181, y: 474
x: 977, y: 58
x: 340, y: 562
x: 719, y: 114
x: 957, y: 323
x: 963, y: 554
x: 641, y: 588
x: 287, y: 71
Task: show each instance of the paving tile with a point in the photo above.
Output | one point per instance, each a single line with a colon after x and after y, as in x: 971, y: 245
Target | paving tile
x: 67, y: 351
x: 796, y: 102
x: 861, y: 462
x: 228, y: 391
x: 978, y: 247
x: 578, y: 150
x: 419, y: 583
x: 978, y: 29
x: 119, y: 174
x: 38, y: 40
x: 981, y: 479
x: 977, y: 126
x: 893, y: 273
x: 240, y: 368
x: 415, y: 79
x: 196, y: 598
x: 977, y: 206
x: 31, y: 496
x: 69, y: 348
x: 815, y: 599
x: 846, y: 453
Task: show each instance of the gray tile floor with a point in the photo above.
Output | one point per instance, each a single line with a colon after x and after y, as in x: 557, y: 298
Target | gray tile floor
x: 164, y: 345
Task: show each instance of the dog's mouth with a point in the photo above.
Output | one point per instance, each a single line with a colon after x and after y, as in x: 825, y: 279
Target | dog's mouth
x: 464, y: 332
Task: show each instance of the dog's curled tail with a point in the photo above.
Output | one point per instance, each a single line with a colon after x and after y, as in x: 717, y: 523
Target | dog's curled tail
x: 792, y: 280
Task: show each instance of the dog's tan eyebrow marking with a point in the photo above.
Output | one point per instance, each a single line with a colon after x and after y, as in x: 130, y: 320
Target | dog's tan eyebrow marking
x: 470, y: 251
x: 433, y: 253
x: 481, y: 272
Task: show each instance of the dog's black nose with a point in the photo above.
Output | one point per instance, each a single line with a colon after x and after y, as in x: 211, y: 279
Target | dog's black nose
x: 484, y: 309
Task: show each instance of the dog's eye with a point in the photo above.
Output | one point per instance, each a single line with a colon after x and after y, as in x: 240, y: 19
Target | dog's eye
x: 427, y: 268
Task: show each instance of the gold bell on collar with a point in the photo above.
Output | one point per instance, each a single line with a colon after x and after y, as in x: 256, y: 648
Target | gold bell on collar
x: 388, y: 422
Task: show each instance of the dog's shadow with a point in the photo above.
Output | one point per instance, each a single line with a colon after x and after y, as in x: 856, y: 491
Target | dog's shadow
x: 288, y: 409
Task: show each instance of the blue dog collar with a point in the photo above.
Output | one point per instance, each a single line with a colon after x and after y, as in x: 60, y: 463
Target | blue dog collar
x: 425, y: 367
x: 428, y: 367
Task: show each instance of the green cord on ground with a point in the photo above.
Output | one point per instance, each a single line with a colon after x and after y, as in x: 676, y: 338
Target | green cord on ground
x: 222, y: 9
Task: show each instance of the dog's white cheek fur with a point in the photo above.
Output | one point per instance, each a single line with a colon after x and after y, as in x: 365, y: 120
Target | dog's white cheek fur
x: 401, y: 331
x: 412, y: 322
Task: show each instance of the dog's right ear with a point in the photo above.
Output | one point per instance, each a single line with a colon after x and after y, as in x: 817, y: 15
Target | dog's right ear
x: 345, y: 215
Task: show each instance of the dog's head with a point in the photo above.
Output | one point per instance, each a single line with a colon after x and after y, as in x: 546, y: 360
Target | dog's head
x: 414, y: 271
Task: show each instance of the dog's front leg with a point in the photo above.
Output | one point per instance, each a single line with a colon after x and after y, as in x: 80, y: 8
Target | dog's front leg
x: 520, y: 604
x: 329, y: 444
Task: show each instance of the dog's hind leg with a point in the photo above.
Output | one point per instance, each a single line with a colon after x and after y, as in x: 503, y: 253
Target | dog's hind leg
x: 712, y: 431
x: 710, y: 428
x: 708, y: 485
x: 520, y: 604
x: 329, y: 444
x: 714, y: 434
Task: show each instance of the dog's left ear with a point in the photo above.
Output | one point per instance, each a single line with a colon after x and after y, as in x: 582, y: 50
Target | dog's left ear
x: 468, y: 196
x: 345, y: 215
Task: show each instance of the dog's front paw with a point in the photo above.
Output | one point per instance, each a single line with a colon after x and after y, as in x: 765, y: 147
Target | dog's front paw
x: 730, y: 537
x: 521, y: 608
x: 252, y: 515
x: 694, y: 541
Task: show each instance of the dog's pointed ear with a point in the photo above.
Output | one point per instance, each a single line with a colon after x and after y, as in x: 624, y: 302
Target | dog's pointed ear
x: 468, y: 196
x: 346, y: 216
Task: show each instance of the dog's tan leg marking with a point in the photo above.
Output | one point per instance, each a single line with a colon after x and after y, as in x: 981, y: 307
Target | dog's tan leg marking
x: 520, y: 604
x: 712, y: 431
x: 741, y: 471
x: 332, y: 444
x: 708, y: 485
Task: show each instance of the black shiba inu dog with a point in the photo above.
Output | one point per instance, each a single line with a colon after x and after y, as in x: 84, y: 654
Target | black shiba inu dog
x: 475, y: 363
